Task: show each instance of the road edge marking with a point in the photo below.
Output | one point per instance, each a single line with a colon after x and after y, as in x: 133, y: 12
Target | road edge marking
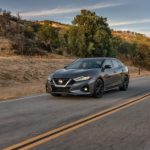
x: 22, y: 98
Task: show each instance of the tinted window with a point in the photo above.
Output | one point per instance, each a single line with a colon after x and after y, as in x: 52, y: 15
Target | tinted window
x: 120, y: 63
x: 99, y: 62
x: 85, y: 64
x: 115, y: 64
x: 107, y: 62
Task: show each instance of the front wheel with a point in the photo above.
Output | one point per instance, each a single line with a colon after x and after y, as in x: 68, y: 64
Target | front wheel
x: 98, y: 88
x: 125, y: 84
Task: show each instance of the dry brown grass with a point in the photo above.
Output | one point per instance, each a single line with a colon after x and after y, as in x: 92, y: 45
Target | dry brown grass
x: 20, y: 90
x: 134, y: 72
x: 22, y: 76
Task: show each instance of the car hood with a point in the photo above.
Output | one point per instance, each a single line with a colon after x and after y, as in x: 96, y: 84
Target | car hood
x: 73, y: 73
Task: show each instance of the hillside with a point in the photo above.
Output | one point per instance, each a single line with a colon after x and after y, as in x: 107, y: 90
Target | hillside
x: 5, y: 44
x: 54, y: 24
x: 129, y: 36
x: 132, y: 37
x: 86, y: 38
x: 30, y: 50
x: 11, y: 27
x: 22, y: 76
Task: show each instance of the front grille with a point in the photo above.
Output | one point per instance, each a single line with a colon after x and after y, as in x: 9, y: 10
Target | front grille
x: 61, y: 81
x: 61, y: 89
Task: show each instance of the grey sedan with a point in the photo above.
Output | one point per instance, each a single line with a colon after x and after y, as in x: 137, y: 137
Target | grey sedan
x: 89, y: 76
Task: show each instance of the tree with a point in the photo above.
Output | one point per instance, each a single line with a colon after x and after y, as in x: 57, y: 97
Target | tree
x: 142, y: 57
x: 90, y: 36
x: 29, y: 32
x: 115, y: 42
x: 48, y: 36
x: 62, y: 37
x: 71, y: 41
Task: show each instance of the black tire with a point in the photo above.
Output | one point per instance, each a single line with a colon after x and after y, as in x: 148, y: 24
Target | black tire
x: 98, y: 88
x: 125, y: 84
x: 55, y: 95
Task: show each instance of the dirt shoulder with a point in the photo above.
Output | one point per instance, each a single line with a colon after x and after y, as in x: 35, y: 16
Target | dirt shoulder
x: 22, y: 76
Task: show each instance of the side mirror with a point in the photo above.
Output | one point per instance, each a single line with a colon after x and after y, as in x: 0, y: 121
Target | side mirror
x: 107, y: 67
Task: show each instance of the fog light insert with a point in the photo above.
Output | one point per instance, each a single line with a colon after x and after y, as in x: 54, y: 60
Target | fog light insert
x: 85, y: 89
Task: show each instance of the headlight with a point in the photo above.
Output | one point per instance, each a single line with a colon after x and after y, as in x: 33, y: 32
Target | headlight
x: 50, y: 77
x: 82, y: 78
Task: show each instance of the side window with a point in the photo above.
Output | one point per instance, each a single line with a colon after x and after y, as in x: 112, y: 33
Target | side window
x: 108, y: 62
x: 115, y: 64
x: 99, y: 62
x: 120, y: 63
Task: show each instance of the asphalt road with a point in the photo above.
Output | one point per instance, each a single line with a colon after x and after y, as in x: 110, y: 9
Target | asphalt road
x: 24, y: 118
x: 127, y: 130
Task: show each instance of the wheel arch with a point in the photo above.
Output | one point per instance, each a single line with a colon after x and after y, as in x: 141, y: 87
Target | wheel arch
x: 101, y: 79
x: 127, y: 76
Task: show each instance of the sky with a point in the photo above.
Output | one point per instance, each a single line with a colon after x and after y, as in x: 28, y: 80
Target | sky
x: 133, y: 15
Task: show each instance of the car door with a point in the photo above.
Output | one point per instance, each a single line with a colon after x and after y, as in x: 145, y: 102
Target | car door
x: 108, y: 74
x: 117, y: 72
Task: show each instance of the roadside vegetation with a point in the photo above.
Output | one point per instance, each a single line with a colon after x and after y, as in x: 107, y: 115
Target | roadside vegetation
x: 88, y: 36
x: 22, y: 76
x: 30, y: 50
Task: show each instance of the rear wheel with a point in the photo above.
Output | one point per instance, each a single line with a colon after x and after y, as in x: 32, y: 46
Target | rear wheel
x: 125, y: 84
x: 98, y: 88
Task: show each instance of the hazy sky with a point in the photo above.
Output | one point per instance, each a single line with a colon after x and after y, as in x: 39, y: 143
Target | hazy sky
x: 122, y: 14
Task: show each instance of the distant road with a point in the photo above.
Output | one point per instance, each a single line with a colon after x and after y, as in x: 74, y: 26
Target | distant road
x: 24, y: 118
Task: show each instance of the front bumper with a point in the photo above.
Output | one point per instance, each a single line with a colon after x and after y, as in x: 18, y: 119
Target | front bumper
x: 72, y: 88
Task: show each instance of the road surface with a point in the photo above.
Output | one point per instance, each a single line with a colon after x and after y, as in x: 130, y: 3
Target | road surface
x: 27, y: 117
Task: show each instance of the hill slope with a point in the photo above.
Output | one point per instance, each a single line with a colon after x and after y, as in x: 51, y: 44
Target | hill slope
x: 44, y: 37
x: 133, y: 37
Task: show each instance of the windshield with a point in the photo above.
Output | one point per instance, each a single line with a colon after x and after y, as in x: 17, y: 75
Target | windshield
x: 86, y: 64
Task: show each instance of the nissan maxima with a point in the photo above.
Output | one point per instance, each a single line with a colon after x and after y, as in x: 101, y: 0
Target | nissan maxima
x: 89, y: 76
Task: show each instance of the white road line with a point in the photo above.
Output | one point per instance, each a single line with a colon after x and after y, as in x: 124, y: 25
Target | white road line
x: 27, y: 97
